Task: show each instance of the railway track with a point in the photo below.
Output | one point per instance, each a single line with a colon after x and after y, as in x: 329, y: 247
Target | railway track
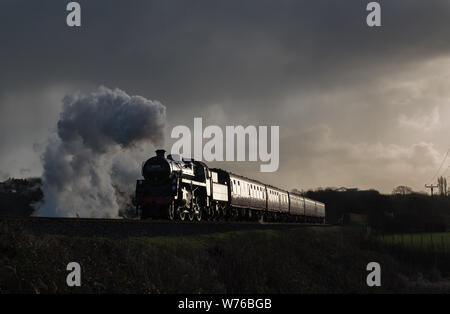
x: 120, y: 228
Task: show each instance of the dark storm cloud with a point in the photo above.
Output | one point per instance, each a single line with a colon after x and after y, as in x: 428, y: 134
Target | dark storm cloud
x: 192, y: 52
x: 316, y: 62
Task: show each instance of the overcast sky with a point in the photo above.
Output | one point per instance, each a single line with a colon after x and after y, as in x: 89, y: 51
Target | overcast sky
x: 357, y: 106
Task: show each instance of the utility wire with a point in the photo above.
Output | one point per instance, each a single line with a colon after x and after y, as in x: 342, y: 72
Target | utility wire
x: 445, y: 171
x: 443, y: 161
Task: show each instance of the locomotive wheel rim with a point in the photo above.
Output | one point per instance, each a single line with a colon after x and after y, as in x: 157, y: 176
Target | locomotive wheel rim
x: 192, y: 210
x: 171, y: 212
x: 182, y: 215
x: 224, y: 211
x: 198, y: 215
x: 209, y: 214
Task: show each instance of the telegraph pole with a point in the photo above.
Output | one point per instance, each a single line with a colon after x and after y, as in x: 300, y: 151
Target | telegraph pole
x: 431, y: 187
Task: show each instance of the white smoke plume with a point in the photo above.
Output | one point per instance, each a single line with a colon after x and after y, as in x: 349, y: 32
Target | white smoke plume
x: 86, y: 160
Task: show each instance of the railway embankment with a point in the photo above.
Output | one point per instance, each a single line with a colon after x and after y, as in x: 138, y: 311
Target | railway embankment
x: 297, y: 259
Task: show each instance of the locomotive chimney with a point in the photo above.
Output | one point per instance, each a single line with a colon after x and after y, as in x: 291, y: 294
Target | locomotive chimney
x: 160, y: 153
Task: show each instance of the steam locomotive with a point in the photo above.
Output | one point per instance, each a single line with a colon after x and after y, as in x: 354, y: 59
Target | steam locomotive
x: 187, y: 189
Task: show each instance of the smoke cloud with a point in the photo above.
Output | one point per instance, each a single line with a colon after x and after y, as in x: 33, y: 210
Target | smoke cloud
x: 84, y: 163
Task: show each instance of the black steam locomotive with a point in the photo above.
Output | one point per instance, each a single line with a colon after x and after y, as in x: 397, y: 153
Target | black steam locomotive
x: 180, y: 188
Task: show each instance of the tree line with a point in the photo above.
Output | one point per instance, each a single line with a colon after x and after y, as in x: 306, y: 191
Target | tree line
x: 403, y: 210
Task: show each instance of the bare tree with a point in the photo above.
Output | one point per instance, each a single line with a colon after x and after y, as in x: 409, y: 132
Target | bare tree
x: 402, y: 190
x: 442, y: 184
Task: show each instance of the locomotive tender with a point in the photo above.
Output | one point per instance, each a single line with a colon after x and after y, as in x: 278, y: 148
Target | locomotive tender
x: 182, y: 188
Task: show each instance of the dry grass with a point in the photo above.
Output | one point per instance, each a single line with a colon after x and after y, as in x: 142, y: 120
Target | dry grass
x: 303, y: 260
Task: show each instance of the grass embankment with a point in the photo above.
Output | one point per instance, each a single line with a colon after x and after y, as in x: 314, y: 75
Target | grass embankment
x: 301, y: 260
x: 439, y: 241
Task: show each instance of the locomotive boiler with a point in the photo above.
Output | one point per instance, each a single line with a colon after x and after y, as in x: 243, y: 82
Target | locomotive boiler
x: 180, y: 188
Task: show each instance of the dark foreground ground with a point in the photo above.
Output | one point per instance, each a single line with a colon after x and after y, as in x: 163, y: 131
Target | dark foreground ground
x: 162, y: 257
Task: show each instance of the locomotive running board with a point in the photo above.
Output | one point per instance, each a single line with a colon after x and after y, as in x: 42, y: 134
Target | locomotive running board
x: 193, y: 182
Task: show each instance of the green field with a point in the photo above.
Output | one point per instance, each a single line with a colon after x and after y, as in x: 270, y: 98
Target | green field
x: 439, y: 241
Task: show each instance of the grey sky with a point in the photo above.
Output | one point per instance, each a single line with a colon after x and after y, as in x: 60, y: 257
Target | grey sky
x: 356, y: 106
